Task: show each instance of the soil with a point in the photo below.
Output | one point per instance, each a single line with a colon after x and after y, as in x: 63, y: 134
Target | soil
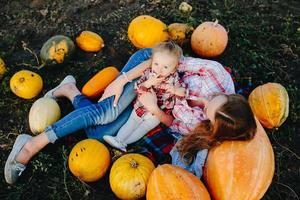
x: 264, y: 46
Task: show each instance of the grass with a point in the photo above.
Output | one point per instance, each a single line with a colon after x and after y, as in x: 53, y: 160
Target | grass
x: 264, y: 45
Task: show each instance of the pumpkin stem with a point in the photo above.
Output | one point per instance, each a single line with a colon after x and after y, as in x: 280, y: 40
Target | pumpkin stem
x: 22, y: 79
x: 134, y: 164
x: 216, y: 22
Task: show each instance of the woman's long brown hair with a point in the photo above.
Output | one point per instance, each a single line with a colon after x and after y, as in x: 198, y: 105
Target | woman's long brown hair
x: 234, y: 120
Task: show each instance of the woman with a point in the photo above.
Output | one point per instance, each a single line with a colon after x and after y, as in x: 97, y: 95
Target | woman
x: 204, y: 79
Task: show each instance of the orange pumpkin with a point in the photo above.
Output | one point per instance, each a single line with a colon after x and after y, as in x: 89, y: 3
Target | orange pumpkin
x: 270, y: 104
x: 178, y: 32
x: 89, y: 160
x: 240, y: 170
x: 129, y: 176
x: 89, y: 41
x: 26, y: 84
x: 209, y: 39
x: 168, y: 182
x: 145, y: 31
x: 97, y: 84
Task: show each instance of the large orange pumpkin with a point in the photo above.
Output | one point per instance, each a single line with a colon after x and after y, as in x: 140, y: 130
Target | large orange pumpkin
x: 97, y: 84
x: 209, y: 39
x: 90, y: 41
x: 129, y: 176
x: 270, y: 104
x: 145, y: 31
x: 26, y: 84
x: 169, y: 182
x: 89, y: 160
x: 240, y: 170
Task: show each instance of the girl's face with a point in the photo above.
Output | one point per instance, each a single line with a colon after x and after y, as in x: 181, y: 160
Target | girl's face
x: 212, y: 106
x: 164, y: 63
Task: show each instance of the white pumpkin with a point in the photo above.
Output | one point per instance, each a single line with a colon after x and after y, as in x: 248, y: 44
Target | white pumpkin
x: 44, y: 112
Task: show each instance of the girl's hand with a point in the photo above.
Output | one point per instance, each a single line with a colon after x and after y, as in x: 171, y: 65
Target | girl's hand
x: 179, y: 91
x: 149, y: 101
x: 114, y: 89
x: 153, y: 81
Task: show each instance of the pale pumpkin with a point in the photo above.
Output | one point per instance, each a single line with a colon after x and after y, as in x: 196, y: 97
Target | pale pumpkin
x: 89, y: 41
x: 185, y: 7
x: 240, y: 170
x: 43, y: 112
x: 168, y: 182
x: 145, y: 31
x: 129, y: 176
x: 2, y: 68
x: 56, y: 50
x: 178, y: 32
x: 270, y: 104
x: 89, y: 160
x: 26, y: 84
x: 209, y: 39
x: 97, y: 84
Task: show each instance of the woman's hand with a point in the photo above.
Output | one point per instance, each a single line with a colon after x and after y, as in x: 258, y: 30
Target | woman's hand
x: 114, y: 89
x: 149, y: 100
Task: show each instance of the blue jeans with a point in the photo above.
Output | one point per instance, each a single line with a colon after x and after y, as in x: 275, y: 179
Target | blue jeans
x: 101, y: 118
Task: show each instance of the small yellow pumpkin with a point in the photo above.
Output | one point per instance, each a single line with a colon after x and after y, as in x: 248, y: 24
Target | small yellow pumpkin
x: 89, y: 41
x: 209, y: 39
x: 270, y: 104
x: 145, y: 31
x: 89, y: 160
x: 26, y: 84
x: 129, y: 176
x: 2, y: 68
x: 168, y: 182
x: 178, y: 32
x: 185, y: 7
x: 56, y: 50
x: 97, y: 84
x: 43, y: 112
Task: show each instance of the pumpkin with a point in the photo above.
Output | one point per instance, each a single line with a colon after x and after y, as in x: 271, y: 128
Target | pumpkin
x: 270, y: 104
x: 240, y: 170
x: 89, y: 41
x: 2, y: 68
x: 56, y: 50
x: 26, y: 84
x: 178, y: 32
x: 97, y: 84
x: 89, y: 160
x: 129, y: 176
x: 43, y: 112
x: 168, y: 182
x: 145, y: 31
x: 185, y: 7
x: 209, y: 39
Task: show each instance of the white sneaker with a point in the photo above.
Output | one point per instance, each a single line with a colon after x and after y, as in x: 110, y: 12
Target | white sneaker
x: 67, y: 79
x: 114, y: 142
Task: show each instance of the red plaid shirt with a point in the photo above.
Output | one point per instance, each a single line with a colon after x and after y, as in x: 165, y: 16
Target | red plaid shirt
x: 165, y: 100
x: 203, y: 78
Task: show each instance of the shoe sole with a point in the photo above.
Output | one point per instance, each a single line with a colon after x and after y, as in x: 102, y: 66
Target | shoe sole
x: 19, y: 143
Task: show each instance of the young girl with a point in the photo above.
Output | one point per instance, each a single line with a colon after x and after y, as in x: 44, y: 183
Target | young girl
x: 163, y: 79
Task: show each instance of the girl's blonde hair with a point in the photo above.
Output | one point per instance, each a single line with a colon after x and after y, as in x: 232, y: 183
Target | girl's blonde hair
x: 170, y: 46
x: 234, y: 120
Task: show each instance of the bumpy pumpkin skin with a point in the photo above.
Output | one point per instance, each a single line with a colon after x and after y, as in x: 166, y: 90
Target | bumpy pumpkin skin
x: 168, y: 182
x: 145, y: 31
x: 2, y: 68
x: 89, y: 41
x: 178, y: 32
x: 209, y: 39
x: 89, y: 160
x: 129, y: 176
x: 240, y: 170
x: 270, y: 104
x: 44, y: 112
x: 26, y: 84
x: 56, y: 50
x: 97, y: 84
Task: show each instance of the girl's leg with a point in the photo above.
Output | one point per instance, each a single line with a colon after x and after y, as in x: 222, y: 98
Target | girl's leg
x: 129, y: 127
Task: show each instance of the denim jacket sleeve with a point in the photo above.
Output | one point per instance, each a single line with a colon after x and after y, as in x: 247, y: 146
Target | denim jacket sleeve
x: 195, y: 167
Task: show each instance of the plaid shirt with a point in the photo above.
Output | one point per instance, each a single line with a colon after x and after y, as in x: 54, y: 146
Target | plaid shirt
x: 203, y: 78
x: 165, y: 100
